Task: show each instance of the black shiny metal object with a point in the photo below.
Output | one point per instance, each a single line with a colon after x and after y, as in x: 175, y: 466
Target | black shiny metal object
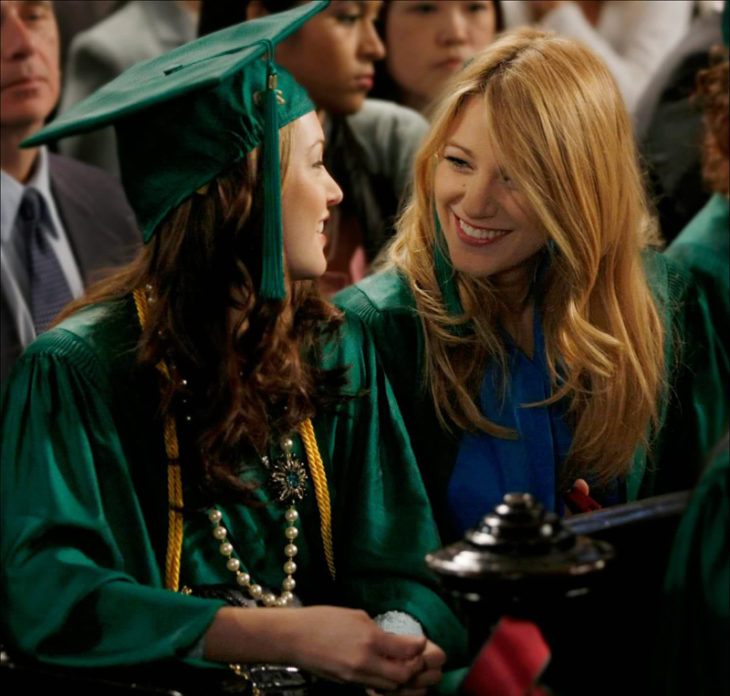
x: 596, y: 600
x: 517, y: 552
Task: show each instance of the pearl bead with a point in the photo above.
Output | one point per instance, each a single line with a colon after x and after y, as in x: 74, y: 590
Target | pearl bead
x: 287, y: 444
x: 290, y: 567
x: 280, y: 602
x: 215, y: 516
x: 220, y: 533
x: 289, y: 583
x: 291, y: 532
x: 269, y: 599
x: 255, y: 591
x: 286, y: 598
x: 226, y: 548
x: 290, y: 550
x: 291, y: 515
x: 243, y: 578
x: 233, y: 564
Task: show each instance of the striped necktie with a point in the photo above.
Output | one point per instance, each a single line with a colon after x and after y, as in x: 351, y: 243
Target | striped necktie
x: 49, y: 290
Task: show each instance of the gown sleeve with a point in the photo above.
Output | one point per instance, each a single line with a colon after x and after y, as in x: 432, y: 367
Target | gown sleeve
x: 383, y: 523
x: 81, y: 585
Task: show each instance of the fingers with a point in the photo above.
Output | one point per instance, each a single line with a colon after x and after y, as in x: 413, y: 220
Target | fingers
x: 395, y: 672
x: 400, y: 647
x: 433, y: 656
x: 433, y: 660
x: 581, y: 485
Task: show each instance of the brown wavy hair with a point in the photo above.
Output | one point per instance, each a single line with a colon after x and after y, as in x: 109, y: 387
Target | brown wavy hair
x: 246, y: 369
x: 563, y: 133
x: 712, y: 91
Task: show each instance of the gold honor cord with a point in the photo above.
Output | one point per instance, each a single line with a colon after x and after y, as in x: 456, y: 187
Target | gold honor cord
x: 174, y: 480
x: 321, y: 490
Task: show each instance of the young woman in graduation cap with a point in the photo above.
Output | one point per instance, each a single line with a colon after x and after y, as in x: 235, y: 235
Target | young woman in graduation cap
x: 203, y: 419
x: 546, y: 334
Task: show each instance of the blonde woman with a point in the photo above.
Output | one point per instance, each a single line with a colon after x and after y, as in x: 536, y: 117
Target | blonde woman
x: 524, y: 321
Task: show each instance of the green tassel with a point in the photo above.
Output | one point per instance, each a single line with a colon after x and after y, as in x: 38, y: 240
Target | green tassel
x: 272, y: 261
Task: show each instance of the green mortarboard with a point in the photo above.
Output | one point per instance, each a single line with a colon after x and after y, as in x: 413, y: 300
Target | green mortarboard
x: 183, y: 117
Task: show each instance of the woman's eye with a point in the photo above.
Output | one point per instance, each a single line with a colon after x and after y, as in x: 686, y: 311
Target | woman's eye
x: 423, y: 8
x: 507, y: 180
x: 477, y: 7
x: 456, y: 162
x: 348, y: 19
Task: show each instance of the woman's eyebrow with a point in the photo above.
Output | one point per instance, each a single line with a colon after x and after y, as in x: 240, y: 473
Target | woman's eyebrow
x: 465, y: 150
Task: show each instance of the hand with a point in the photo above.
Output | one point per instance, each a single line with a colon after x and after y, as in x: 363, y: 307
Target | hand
x: 335, y: 643
x: 433, y: 660
x: 347, y: 645
x: 580, y: 485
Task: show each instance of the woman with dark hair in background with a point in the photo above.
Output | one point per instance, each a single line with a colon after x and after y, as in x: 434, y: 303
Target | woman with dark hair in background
x: 370, y: 143
x: 427, y: 42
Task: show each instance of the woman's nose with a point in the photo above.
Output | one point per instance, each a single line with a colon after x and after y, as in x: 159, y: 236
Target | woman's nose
x: 371, y: 45
x: 454, y: 29
x: 479, y: 202
x: 334, y: 194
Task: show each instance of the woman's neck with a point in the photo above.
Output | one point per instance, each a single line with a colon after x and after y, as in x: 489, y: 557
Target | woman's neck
x: 515, y: 289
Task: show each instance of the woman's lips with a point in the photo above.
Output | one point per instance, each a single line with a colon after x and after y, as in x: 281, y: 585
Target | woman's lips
x: 24, y: 83
x: 450, y: 64
x: 478, y: 236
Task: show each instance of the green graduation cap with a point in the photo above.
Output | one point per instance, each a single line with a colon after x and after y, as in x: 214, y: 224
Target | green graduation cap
x: 183, y: 117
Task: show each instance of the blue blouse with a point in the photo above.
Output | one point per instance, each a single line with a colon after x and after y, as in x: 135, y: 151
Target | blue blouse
x: 488, y: 467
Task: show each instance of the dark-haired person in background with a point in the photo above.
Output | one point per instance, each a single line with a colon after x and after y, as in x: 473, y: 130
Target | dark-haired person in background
x: 61, y: 221
x: 370, y: 143
x: 426, y: 42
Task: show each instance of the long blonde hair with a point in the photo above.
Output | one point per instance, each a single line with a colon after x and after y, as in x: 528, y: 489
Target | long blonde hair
x: 562, y: 131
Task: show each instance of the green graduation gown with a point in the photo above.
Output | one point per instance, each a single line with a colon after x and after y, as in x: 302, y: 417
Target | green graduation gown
x: 386, y: 305
x: 694, y: 640
x: 703, y: 248
x: 84, y: 506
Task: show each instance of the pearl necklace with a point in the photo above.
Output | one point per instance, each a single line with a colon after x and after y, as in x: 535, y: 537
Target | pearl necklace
x: 291, y: 479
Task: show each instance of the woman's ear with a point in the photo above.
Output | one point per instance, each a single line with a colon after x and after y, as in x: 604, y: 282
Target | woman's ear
x: 255, y: 9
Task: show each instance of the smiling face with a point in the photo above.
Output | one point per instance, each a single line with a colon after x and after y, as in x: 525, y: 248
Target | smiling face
x: 29, y: 71
x: 429, y: 41
x: 332, y: 56
x: 489, y: 226
x: 307, y: 194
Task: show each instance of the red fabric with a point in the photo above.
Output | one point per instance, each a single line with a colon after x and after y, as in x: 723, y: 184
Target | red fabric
x: 510, y: 662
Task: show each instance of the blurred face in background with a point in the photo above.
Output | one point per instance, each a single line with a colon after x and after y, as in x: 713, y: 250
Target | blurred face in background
x: 427, y: 42
x: 332, y: 56
x: 29, y: 67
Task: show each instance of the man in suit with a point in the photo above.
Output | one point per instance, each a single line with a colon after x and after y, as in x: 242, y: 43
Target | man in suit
x: 61, y: 222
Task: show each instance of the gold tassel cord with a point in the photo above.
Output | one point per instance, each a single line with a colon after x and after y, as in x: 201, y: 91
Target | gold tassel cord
x: 174, y: 479
x: 321, y: 490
